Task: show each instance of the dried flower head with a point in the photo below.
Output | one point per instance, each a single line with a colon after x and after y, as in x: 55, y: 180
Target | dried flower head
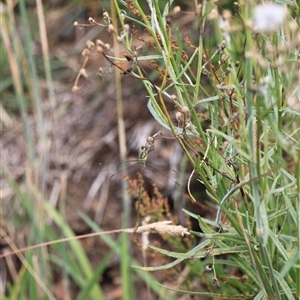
x: 236, y: 5
x: 204, y: 70
x: 85, y: 52
x: 213, y: 14
x: 83, y: 72
x: 293, y: 26
x: 92, y: 21
x: 176, y: 10
x: 227, y: 14
x: 107, y: 46
x: 99, y: 43
x: 208, y: 268
x: 216, y: 281
x: 126, y: 28
x: 179, y: 117
x: 185, y: 110
x: 173, y: 98
x: 90, y: 44
x: 222, y: 45
x: 75, y: 89
x: 106, y: 17
x: 111, y: 28
x: 100, y: 71
x: 100, y: 46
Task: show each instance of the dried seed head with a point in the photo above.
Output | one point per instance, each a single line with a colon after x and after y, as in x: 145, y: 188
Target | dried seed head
x: 236, y: 5
x: 216, y: 281
x: 176, y: 10
x: 107, y: 46
x: 237, y: 64
x: 222, y: 45
x: 185, y: 110
x: 224, y: 57
x: 208, y: 268
x: 213, y: 14
x: 266, y: 80
x: 111, y: 28
x: 250, y: 24
x: 92, y: 21
x: 83, y: 72
x: 126, y: 28
x: 99, y: 43
x: 173, y: 98
x: 75, y: 89
x: 224, y: 25
x: 227, y: 14
x: 136, y: 50
x: 85, y: 52
x: 119, y: 39
x: 90, y: 44
x: 293, y: 26
x: 77, y: 25
x: 106, y: 17
x: 150, y: 140
x: 100, y: 46
x: 100, y: 71
x: 179, y: 117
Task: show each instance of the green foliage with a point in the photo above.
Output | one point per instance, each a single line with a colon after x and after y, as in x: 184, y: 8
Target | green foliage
x: 249, y: 157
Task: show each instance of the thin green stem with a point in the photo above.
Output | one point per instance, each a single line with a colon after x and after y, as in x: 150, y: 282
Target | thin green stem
x: 37, y: 99
x: 298, y: 221
x: 127, y: 283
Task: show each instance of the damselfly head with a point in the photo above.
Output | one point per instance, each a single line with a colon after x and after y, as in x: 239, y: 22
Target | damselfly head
x: 126, y: 65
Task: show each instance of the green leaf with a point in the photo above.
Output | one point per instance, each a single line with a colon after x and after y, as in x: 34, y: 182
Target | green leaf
x: 213, y: 295
x: 285, y: 287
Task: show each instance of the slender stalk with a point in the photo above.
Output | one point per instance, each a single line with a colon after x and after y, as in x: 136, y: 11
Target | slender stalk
x: 298, y: 221
x: 127, y: 284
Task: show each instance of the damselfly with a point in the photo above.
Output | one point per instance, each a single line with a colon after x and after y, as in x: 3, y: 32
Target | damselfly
x: 159, y: 172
